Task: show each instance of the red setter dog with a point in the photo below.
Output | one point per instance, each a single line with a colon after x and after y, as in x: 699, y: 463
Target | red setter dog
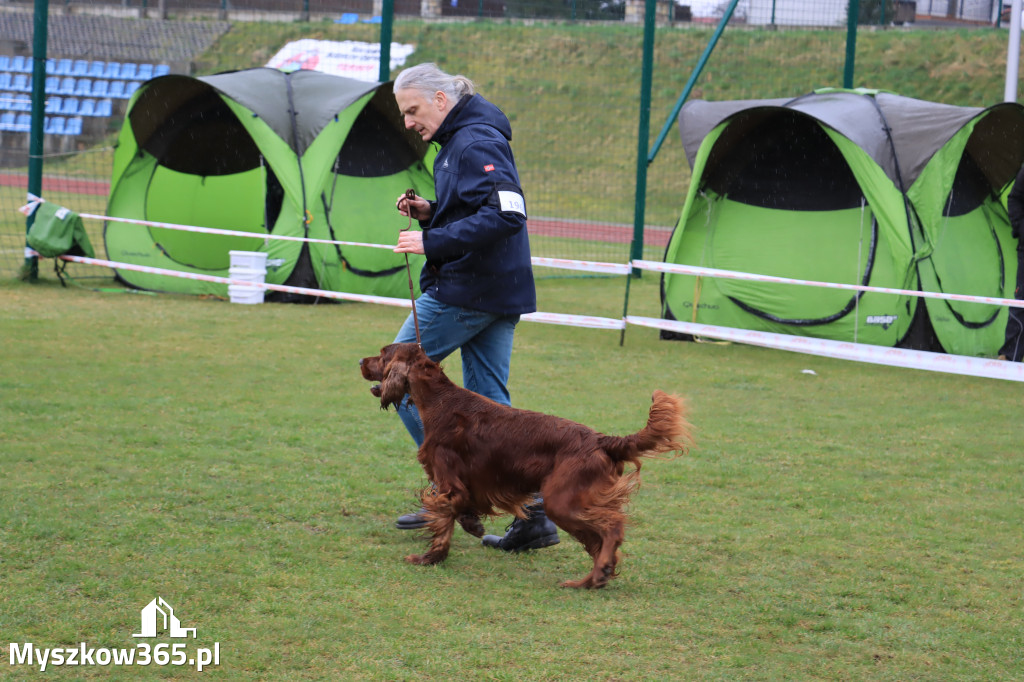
x: 481, y: 455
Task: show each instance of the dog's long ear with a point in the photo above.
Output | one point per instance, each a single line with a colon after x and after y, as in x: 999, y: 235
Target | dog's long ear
x: 395, y: 383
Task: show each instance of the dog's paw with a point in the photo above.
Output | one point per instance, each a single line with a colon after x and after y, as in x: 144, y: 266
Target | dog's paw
x: 428, y: 559
x: 471, y: 524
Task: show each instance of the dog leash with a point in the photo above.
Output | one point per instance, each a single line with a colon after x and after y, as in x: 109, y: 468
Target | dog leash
x: 410, y: 194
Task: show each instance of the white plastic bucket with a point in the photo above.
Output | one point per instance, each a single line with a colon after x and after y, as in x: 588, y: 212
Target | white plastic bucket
x: 239, y: 293
x: 256, y: 260
x: 247, y: 266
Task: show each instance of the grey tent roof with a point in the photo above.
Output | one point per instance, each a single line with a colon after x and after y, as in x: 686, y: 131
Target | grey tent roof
x: 900, y: 133
x: 187, y: 124
x: 313, y: 98
x: 317, y: 98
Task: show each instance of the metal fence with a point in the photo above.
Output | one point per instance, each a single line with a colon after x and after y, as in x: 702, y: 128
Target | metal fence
x: 568, y: 74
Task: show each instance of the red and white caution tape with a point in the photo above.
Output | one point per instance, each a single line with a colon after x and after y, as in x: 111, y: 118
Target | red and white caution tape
x: 550, y: 318
x: 583, y: 265
x: 362, y: 298
x: 732, y: 274
x: 576, y: 320
x: 230, y: 233
x: 844, y: 350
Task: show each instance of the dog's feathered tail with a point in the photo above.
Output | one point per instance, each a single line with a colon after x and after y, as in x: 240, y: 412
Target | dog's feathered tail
x: 667, y: 430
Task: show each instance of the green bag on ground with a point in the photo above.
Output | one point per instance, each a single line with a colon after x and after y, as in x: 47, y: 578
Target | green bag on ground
x: 57, y: 231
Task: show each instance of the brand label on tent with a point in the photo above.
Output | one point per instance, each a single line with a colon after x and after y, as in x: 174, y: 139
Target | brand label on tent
x: 349, y: 58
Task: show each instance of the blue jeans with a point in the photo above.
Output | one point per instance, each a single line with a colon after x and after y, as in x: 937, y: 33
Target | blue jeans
x: 485, y: 340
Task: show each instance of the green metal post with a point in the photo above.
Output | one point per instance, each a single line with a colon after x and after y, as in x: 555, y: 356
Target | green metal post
x: 851, y: 42
x: 386, y: 18
x: 30, y: 270
x: 643, y: 133
x: 693, y: 79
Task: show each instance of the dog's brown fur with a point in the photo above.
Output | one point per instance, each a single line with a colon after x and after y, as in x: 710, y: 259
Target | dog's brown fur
x: 481, y: 455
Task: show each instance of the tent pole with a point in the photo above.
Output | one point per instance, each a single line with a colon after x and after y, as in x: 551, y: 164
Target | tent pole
x: 643, y: 133
x: 851, y: 43
x: 30, y: 270
x: 1013, y: 53
x: 386, y: 17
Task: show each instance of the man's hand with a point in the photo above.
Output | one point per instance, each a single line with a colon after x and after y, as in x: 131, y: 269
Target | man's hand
x: 417, y: 208
x: 410, y: 242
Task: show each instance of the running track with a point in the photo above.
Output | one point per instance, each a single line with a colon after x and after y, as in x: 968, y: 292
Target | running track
x: 549, y: 227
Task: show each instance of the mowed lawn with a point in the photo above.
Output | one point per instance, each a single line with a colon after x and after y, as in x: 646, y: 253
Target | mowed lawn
x: 856, y: 523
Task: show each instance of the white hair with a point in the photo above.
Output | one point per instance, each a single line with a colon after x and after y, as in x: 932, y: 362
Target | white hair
x: 429, y: 79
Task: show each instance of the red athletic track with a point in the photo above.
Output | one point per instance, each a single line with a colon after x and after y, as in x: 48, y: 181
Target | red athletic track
x: 549, y: 227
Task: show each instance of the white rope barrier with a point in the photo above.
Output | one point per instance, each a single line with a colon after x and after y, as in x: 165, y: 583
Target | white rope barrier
x: 361, y: 298
x: 732, y: 274
x: 858, y: 352
x: 230, y: 233
x: 550, y: 318
x: 592, y: 266
x: 939, y: 362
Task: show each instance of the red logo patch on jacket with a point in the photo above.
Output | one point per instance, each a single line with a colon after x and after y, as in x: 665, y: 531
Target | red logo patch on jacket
x: 489, y: 167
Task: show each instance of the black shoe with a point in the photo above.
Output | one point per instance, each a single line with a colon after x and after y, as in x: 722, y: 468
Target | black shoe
x: 533, y: 532
x: 412, y: 520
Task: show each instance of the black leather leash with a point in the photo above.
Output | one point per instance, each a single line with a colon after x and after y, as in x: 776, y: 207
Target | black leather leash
x: 410, y: 194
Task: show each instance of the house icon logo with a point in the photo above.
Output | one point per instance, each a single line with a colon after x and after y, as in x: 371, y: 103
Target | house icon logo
x: 158, y: 613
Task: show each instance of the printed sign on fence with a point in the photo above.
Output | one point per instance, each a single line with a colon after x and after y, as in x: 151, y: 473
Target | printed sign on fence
x: 349, y: 58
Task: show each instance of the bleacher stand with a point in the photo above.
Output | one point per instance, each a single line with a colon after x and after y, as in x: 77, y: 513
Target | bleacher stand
x: 77, y: 91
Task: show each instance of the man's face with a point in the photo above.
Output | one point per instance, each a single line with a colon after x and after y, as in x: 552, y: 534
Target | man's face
x: 420, y: 114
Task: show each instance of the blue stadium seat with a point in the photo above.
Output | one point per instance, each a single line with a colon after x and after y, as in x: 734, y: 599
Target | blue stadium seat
x: 18, y: 65
x: 53, y: 105
x: 21, y: 83
x: 100, y: 89
x: 128, y: 71
x: 63, y: 67
x: 23, y: 123
x: 83, y: 87
x: 5, y: 80
x: 54, y: 125
x: 96, y: 69
x: 52, y: 84
x: 7, y: 121
x: 7, y: 101
x: 87, y: 107
x: 67, y: 86
x: 21, y: 103
x: 116, y: 90
x: 112, y: 70
x: 130, y: 88
x: 73, y: 126
x: 80, y: 68
x: 51, y: 66
x: 161, y: 70
x: 69, y: 107
x: 5, y: 62
x: 104, y: 108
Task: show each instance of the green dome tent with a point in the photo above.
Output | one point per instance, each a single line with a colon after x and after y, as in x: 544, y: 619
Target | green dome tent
x: 301, y: 154
x: 853, y: 187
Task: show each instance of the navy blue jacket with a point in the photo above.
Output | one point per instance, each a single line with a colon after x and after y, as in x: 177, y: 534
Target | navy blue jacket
x: 478, y: 251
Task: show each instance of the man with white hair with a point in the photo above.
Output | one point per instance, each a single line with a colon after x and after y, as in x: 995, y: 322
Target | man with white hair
x: 478, y: 277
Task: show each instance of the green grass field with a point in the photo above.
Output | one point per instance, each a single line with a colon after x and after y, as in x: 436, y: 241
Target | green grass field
x: 859, y: 523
